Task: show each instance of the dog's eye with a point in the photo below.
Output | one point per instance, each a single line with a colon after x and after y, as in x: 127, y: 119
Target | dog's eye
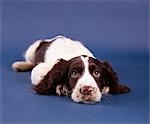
x: 74, y: 74
x: 96, y: 73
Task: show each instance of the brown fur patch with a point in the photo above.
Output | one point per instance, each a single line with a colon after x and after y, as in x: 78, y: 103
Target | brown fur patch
x: 40, y: 52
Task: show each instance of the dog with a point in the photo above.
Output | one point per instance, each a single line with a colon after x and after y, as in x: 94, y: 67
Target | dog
x: 64, y: 66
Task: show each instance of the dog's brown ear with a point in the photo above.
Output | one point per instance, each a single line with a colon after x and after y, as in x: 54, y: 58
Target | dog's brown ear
x: 111, y: 79
x: 56, y: 76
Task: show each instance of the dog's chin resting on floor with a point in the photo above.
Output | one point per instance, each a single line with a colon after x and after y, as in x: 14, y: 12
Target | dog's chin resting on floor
x: 66, y: 67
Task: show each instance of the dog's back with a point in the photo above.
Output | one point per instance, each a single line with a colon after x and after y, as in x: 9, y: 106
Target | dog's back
x: 51, y: 50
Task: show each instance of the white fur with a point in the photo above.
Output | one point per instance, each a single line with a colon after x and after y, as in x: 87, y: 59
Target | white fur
x: 66, y: 49
x: 30, y: 53
x: 86, y: 80
x: 40, y: 71
x: 105, y: 90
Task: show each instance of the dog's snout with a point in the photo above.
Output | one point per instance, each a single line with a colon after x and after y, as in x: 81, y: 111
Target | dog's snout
x: 86, y: 94
x: 86, y: 90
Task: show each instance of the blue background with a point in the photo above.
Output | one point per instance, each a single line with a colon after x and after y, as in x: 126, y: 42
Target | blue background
x: 115, y: 31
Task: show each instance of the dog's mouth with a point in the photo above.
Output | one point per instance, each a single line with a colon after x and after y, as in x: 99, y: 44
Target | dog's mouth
x: 89, y: 99
x: 86, y: 94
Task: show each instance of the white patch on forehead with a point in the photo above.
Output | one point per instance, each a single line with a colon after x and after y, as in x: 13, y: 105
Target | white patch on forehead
x: 86, y: 58
x: 87, y: 79
x: 86, y: 64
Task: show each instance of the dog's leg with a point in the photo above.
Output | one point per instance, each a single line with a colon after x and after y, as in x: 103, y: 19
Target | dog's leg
x: 46, y: 77
x: 22, y: 66
x: 29, y: 62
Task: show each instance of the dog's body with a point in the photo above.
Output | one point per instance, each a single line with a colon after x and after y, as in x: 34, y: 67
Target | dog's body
x: 66, y: 67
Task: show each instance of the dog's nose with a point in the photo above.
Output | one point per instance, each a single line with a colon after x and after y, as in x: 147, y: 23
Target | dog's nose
x: 86, y: 90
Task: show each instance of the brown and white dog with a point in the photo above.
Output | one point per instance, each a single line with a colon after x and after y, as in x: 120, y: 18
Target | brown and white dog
x: 66, y: 67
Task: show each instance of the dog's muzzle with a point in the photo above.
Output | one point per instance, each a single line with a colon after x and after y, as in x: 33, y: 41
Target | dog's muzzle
x: 86, y: 94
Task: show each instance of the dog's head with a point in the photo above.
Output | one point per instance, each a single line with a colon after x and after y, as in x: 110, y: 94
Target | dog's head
x: 84, y: 78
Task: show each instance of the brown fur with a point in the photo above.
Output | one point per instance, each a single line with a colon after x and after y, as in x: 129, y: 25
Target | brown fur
x: 40, y: 52
x: 112, y: 78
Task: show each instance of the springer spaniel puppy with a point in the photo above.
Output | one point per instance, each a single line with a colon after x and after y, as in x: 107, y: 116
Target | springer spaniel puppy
x: 66, y: 67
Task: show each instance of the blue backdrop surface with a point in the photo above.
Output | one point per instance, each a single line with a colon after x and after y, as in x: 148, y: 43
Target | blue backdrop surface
x: 115, y: 31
